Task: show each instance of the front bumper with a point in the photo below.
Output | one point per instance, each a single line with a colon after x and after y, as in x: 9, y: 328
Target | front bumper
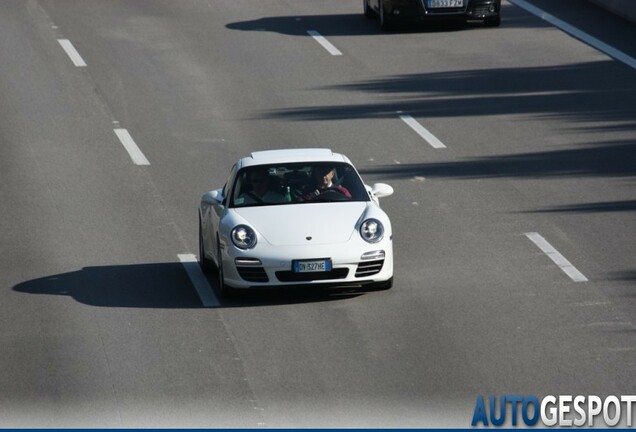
x: 417, y: 10
x: 272, y: 267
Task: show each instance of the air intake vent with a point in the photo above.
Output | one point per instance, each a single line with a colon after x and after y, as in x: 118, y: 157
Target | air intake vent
x: 369, y: 268
x: 445, y: 11
x: 288, y: 276
x: 481, y: 10
x: 253, y: 274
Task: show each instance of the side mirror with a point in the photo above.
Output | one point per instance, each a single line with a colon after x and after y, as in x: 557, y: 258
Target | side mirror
x: 213, y: 197
x: 381, y: 190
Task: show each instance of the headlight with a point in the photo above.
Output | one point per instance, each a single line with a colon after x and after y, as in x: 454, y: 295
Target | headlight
x: 243, y: 237
x: 372, y: 230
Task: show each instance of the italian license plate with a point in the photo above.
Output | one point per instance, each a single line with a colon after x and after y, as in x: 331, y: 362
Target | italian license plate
x: 445, y: 3
x: 308, y: 266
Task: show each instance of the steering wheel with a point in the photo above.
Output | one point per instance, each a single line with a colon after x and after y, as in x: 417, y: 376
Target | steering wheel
x: 333, y: 189
x: 338, y: 194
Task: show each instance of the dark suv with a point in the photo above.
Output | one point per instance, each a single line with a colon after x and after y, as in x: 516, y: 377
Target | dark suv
x: 391, y: 11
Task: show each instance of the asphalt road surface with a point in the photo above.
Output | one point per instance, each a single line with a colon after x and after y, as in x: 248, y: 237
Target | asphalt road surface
x: 100, y: 323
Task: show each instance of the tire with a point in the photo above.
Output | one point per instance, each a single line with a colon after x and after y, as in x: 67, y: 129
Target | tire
x: 383, y: 286
x: 368, y: 12
x: 205, y: 263
x: 225, y: 290
x: 386, y: 23
x: 493, y: 22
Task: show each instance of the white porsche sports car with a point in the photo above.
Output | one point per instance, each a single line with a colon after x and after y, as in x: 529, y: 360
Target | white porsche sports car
x: 296, y: 217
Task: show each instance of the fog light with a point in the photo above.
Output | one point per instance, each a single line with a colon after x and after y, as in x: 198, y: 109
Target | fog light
x: 396, y: 11
x: 375, y: 255
x: 247, y: 261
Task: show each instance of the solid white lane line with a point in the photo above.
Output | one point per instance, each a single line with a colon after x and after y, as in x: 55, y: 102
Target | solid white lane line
x: 422, y: 131
x: 556, y: 257
x: 590, y: 40
x: 129, y: 144
x: 72, y: 52
x: 198, y: 279
x: 324, y: 42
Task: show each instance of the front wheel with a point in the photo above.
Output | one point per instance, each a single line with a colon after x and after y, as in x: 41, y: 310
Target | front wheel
x: 225, y: 290
x: 385, y: 20
x: 384, y: 285
x: 204, y: 261
x: 368, y: 12
x: 493, y: 22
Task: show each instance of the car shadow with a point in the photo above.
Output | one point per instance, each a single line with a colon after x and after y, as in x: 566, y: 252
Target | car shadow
x: 156, y: 286
x: 338, y: 25
x: 287, y: 296
x: 357, y: 25
x: 628, y: 275
x: 594, y: 207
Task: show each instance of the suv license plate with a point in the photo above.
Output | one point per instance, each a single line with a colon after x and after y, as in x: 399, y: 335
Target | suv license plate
x: 308, y: 266
x: 445, y: 3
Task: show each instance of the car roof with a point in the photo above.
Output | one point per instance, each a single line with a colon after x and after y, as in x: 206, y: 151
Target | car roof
x: 292, y: 155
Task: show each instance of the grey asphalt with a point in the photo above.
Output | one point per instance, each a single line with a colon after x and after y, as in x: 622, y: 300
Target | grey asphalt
x: 100, y: 325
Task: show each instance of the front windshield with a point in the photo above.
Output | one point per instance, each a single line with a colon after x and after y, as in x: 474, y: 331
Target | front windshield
x: 294, y: 183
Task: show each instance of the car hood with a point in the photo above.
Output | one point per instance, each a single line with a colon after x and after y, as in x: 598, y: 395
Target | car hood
x: 292, y: 224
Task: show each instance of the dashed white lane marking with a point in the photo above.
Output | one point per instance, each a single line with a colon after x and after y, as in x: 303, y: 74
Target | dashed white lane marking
x: 198, y: 279
x: 422, y: 131
x: 608, y: 324
x: 324, y: 42
x: 556, y: 257
x: 590, y: 40
x: 129, y: 144
x: 592, y: 303
x: 622, y: 349
x: 76, y: 58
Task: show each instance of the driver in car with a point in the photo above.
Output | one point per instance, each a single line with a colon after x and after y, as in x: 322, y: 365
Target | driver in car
x: 323, y: 183
x: 261, y: 192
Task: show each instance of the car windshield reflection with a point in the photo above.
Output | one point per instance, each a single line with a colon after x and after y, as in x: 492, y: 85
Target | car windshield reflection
x: 297, y: 183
